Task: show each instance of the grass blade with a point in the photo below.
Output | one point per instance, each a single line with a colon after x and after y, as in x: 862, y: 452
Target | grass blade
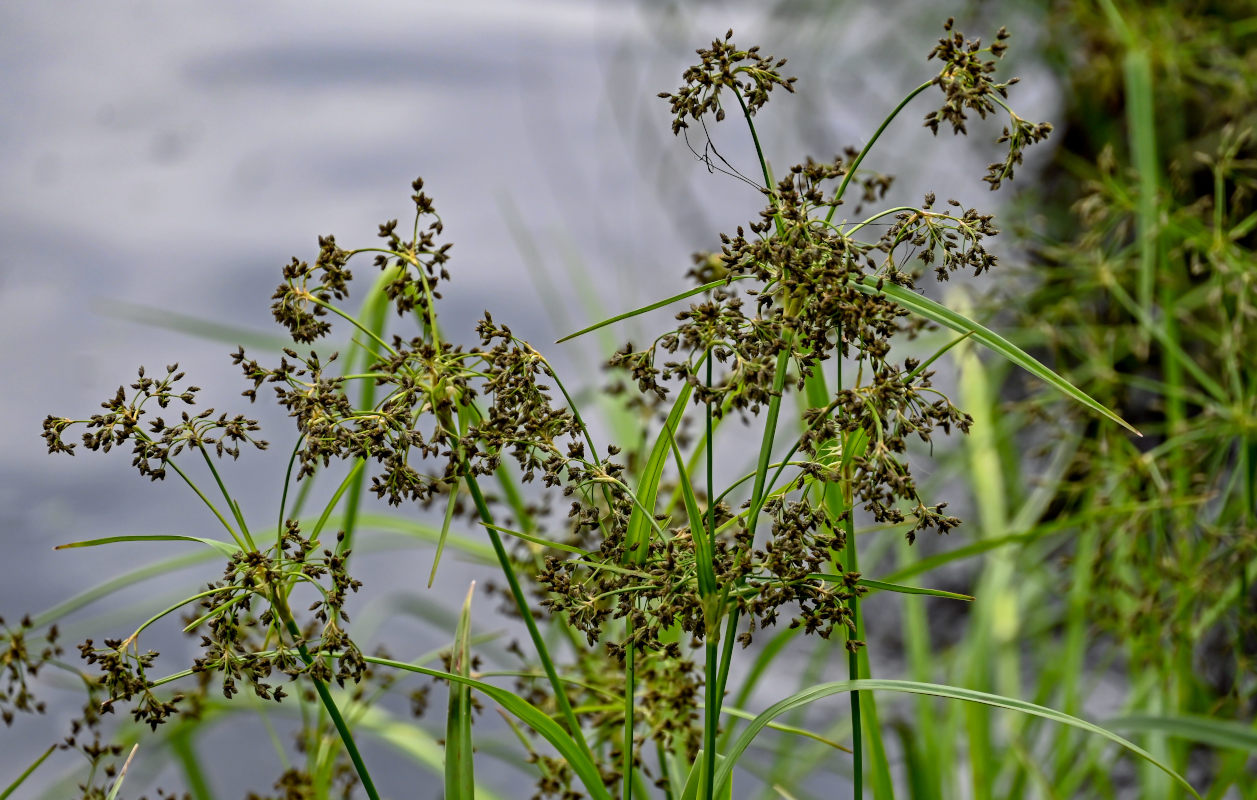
x: 640, y: 526
x: 445, y: 530
x: 698, y: 772
x: 538, y: 540
x: 783, y: 728
x: 526, y: 712
x: 949, y: 692
x: 703, y: 552
x: 460, y: 782
x: 225, y: 548
x: 12, y: 787
x: 122, y: 774
x: 1206, y: 730
x: 706, y: 287
x: 933, y: 311
x: 941, y: 314
x: 884, y: 586
x: 197, y: 327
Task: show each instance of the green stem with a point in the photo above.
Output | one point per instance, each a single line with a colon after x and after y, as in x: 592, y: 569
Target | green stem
x: 763, y: 163
x: 852, y: 556
x: 349, y: 318
x: 283, y: 498
x: 182, y: 745
x: 27, y: 773
x: 325, y: 696
x: 539, y: 644
x: 235, y: 536
x: 711, y: 722
x: 842, y: 188
x: 628, y: 706
x: 716, y: 691
x: 853, y: 666
x: 235, y: 509
x: 376, y: 313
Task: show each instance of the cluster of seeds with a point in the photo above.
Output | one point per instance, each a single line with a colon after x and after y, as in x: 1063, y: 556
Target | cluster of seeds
x: 153, y: 448
x: 21, y: 658
x: 796, y: 289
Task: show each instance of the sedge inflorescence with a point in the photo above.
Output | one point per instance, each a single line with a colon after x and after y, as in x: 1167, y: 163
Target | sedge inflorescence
x: 788, y: 295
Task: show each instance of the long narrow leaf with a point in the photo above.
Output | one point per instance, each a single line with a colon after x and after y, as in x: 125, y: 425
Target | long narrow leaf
x: 703, y: 551
x: 933, y: 311
x: 445, y: 529
x: 884, y: 586
x: 950, y: 692
x: 638, y: 311
x: 640, y: 525
x: 460, y: 782
x: 724, y: 791
x: 527, y: 713
x: 226, y: 548
x: 936, y: 312
x: 537, y: 540
x: 12, y: 787
x: 1206, y: 730
x: 122, y: 774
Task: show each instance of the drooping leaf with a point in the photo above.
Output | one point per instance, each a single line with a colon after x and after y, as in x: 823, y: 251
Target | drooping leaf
x: 824, y: 690
x: 526, y: 712
x: 1222, y: 733
x: 936, y: 312
x: 226, y: 548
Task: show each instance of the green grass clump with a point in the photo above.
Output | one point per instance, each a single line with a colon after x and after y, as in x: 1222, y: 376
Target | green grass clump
x: 637, y: 603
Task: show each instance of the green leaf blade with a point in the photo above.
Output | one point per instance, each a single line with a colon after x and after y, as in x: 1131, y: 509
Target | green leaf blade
x: 824, y: 690
x: 936, y: 312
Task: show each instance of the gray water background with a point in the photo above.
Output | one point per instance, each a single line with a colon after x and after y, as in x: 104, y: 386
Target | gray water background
x: 174, y: 156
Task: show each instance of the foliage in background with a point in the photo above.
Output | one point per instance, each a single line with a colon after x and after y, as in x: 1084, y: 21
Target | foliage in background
x: 1143, y: 292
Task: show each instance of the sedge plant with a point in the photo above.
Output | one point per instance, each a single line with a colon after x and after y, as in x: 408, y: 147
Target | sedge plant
x: 634, y: 606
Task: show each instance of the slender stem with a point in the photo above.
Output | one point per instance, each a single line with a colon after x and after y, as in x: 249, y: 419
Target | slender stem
x: 355, y: 323
x: 851, y: 555
x: 716, y: 689
x: 629, y: 689
x: 358, y: 466
x: 711, y: 723
x: 235, y: 509
x: 663, y: 770
x: 711, y: 719
x: 183, y: 748
x: 842, y: 188
x: 325, y: 696
x: 539, y: 643
x: 376, y: 309
x: 853, y: 669
x: 763, y: 162
x: 205, y: 500
x: 283, y: 498
x: 711, y: 482
x: 27, y: 773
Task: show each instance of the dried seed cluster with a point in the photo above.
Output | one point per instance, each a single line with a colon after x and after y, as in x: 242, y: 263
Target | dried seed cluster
x: 966, y: 83
x: 430, y: 386
x: 749, y: 75
x: 248, y: 627
x: 22, y: 655
x: 153, y: 448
